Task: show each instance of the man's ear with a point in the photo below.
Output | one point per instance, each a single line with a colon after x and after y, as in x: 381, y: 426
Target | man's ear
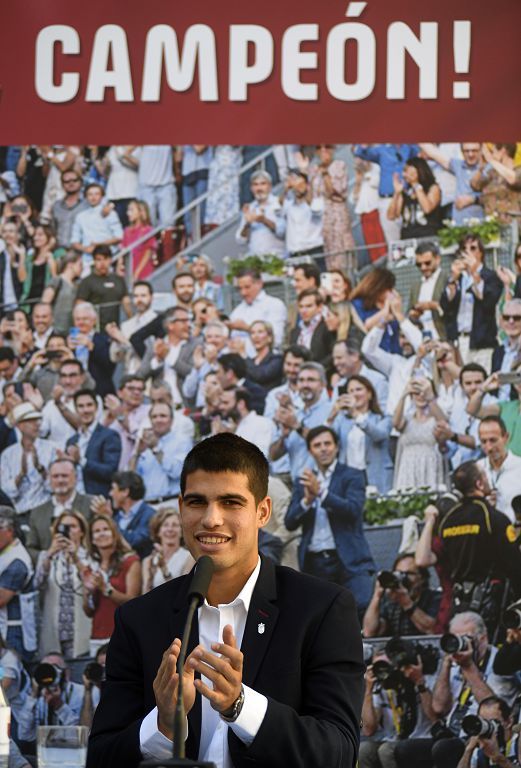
x: 264, y: 511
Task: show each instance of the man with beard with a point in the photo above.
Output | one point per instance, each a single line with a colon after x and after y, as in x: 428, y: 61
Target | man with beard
x: 262, y: 226
x: 121, y: 350
x: 294, y: 424
x: 235, y: 408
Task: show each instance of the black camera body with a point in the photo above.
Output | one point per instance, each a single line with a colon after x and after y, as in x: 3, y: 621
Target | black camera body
x: 48, y: 676
x: 402, y: 653
x: 95, y: 673
x: 393, y: 580
x: 511, y: 618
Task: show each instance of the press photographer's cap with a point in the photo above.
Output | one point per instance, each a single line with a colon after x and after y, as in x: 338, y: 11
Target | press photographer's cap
x: 25, y: 412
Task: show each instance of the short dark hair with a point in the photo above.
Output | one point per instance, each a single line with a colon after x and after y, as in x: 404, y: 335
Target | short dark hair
x: 494, y: 420
x: 180, y: 275
x: 242, y: 394
x: 510, y: 149
x: 233, y: 362
x: 227, y: 452
x: 249, y: 272
x: 311, y: 272
x: 73, y: 361
x: 472, y: 368
x: 102, y: 250
x: 316, y: 431
x: 297, y: 350
x: 501, y: 703
x: 55, y: 335
x: 131, y: 482
x: 311, y: 292
x: 94, y: 184
x: 427, y: 247
x: 145, y: 284
x: 84, y: 392
x: 466, y: 476
x: 128, y: 377
x: 7, y: 353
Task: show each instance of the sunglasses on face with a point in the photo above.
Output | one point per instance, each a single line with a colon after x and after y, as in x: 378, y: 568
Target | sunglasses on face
x: 514, y: 318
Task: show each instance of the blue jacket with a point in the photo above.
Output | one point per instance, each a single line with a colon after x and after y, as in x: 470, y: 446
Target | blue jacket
x: 344, y: 505
x: 102, y: 459
x: 379, y: 465
x: 137, y: 532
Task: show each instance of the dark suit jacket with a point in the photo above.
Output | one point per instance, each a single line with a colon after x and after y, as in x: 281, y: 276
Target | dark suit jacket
x: 307, y: 661
x: 40, y: 520
x: 484, y: 329
x: 344, y: 505
x: 101, y: 367
x: 102, y: 459
x: 439, y: 286
x: 322, y: 343
x: 137, y: 533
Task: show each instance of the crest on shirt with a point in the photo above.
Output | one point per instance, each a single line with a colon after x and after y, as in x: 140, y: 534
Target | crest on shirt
x: 261, y: 628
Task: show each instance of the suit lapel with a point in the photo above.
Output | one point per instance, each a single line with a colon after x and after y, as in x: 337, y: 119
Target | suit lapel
x: 262, y: 618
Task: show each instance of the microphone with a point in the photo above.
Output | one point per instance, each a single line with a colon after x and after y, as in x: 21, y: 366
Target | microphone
x: 201, y: 579
x: 196, y: 596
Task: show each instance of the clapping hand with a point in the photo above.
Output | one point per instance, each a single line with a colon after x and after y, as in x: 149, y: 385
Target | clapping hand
x: 310, y: 484
x: 223, y: 671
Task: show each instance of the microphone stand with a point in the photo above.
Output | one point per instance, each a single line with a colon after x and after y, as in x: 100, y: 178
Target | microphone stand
x: 179, y: 760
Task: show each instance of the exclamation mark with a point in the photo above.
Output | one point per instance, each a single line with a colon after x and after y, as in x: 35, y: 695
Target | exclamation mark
x: 461, y: 89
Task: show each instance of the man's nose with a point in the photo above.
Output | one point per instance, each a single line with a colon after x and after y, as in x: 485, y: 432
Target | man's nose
x: 213, y: 515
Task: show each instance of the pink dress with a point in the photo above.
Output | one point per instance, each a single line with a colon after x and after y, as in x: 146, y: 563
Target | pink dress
x: 336, y: 227
x: 130, y: 235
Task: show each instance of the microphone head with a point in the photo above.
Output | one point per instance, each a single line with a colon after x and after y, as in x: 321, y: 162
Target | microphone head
x: 201, y: 579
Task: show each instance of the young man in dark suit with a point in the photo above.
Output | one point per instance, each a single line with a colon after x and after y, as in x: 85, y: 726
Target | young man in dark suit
x: 312, y: 332
x: 279, y: 653
x: 95, y: 449
x: 328, y: 503
x: 426, y: 290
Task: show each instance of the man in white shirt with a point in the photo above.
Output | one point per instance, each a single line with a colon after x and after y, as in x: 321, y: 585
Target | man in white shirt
x: 24, y: 465
x: 42, y: 323
x: 348, y: 362
x: 245, y: 708
x: 235, y: 405
x: 262, y: 226
x: 256, y: 305
x: 304, y: 214
x: 121, y: 350
x: 92, y: 228
x: 426, y: 291
x: 502, y: 467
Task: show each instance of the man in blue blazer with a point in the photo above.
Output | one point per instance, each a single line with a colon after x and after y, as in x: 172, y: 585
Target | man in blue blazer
x: 95, y: 449
x: 328, y: 503
x: 131, y: 514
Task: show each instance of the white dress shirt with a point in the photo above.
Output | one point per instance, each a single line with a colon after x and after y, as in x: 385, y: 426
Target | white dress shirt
x: 263, y: 307
x: 258, y: 430
x: 304, y: 224
x: 506, y: 480
x: 322, y: 538
x: 426, y: 291
x: 34, y: 489
x: 259, y: 238
x: 213, y: 746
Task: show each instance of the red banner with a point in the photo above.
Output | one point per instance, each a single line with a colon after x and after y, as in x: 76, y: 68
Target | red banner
x: 107, y: 72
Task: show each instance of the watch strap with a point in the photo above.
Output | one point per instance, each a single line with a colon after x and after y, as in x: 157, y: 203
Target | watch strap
x: 231, y: 714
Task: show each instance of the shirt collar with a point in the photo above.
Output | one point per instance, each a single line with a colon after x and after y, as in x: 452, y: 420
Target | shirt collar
x: 132, y: 511
x: 329, y: 471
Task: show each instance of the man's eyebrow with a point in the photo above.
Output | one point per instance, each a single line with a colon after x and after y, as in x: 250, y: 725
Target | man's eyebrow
x: 222, y: 497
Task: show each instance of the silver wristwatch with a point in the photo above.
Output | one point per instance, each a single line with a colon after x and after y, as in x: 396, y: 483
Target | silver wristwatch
x: 230, y: 715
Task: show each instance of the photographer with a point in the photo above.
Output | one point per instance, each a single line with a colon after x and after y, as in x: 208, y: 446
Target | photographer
x: 93, y: 679
x: 54, y: 700
x: 43, y: 367
x: 508, y: 657
x: 494, y: 745
x: 397, y: 701
x: 402, y: 602
x: 465, y: 678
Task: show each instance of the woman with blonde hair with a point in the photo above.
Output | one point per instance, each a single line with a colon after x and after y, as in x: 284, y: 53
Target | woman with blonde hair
x: 111, y: 577
x: 144, y: 256
x: 170, y: 558
x: 64, y: 625
x: 265, y: 367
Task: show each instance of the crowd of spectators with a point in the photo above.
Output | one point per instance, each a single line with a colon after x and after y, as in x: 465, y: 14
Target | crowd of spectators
x: 352, y: 387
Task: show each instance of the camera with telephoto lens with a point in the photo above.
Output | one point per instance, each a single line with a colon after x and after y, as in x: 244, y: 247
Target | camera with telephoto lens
x: 512, y: 616
x: 48, y: 676
x: 393, y: 580
x: 474, y: 725
x: 95, y: 673
x: 456, y: 643
x: 440, y: 730
x: 64, y: 530
x: 388, y: 676
x: 404, y: 653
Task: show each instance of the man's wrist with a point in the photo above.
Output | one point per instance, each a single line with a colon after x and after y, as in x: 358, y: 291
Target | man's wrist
x: 231, y: 714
